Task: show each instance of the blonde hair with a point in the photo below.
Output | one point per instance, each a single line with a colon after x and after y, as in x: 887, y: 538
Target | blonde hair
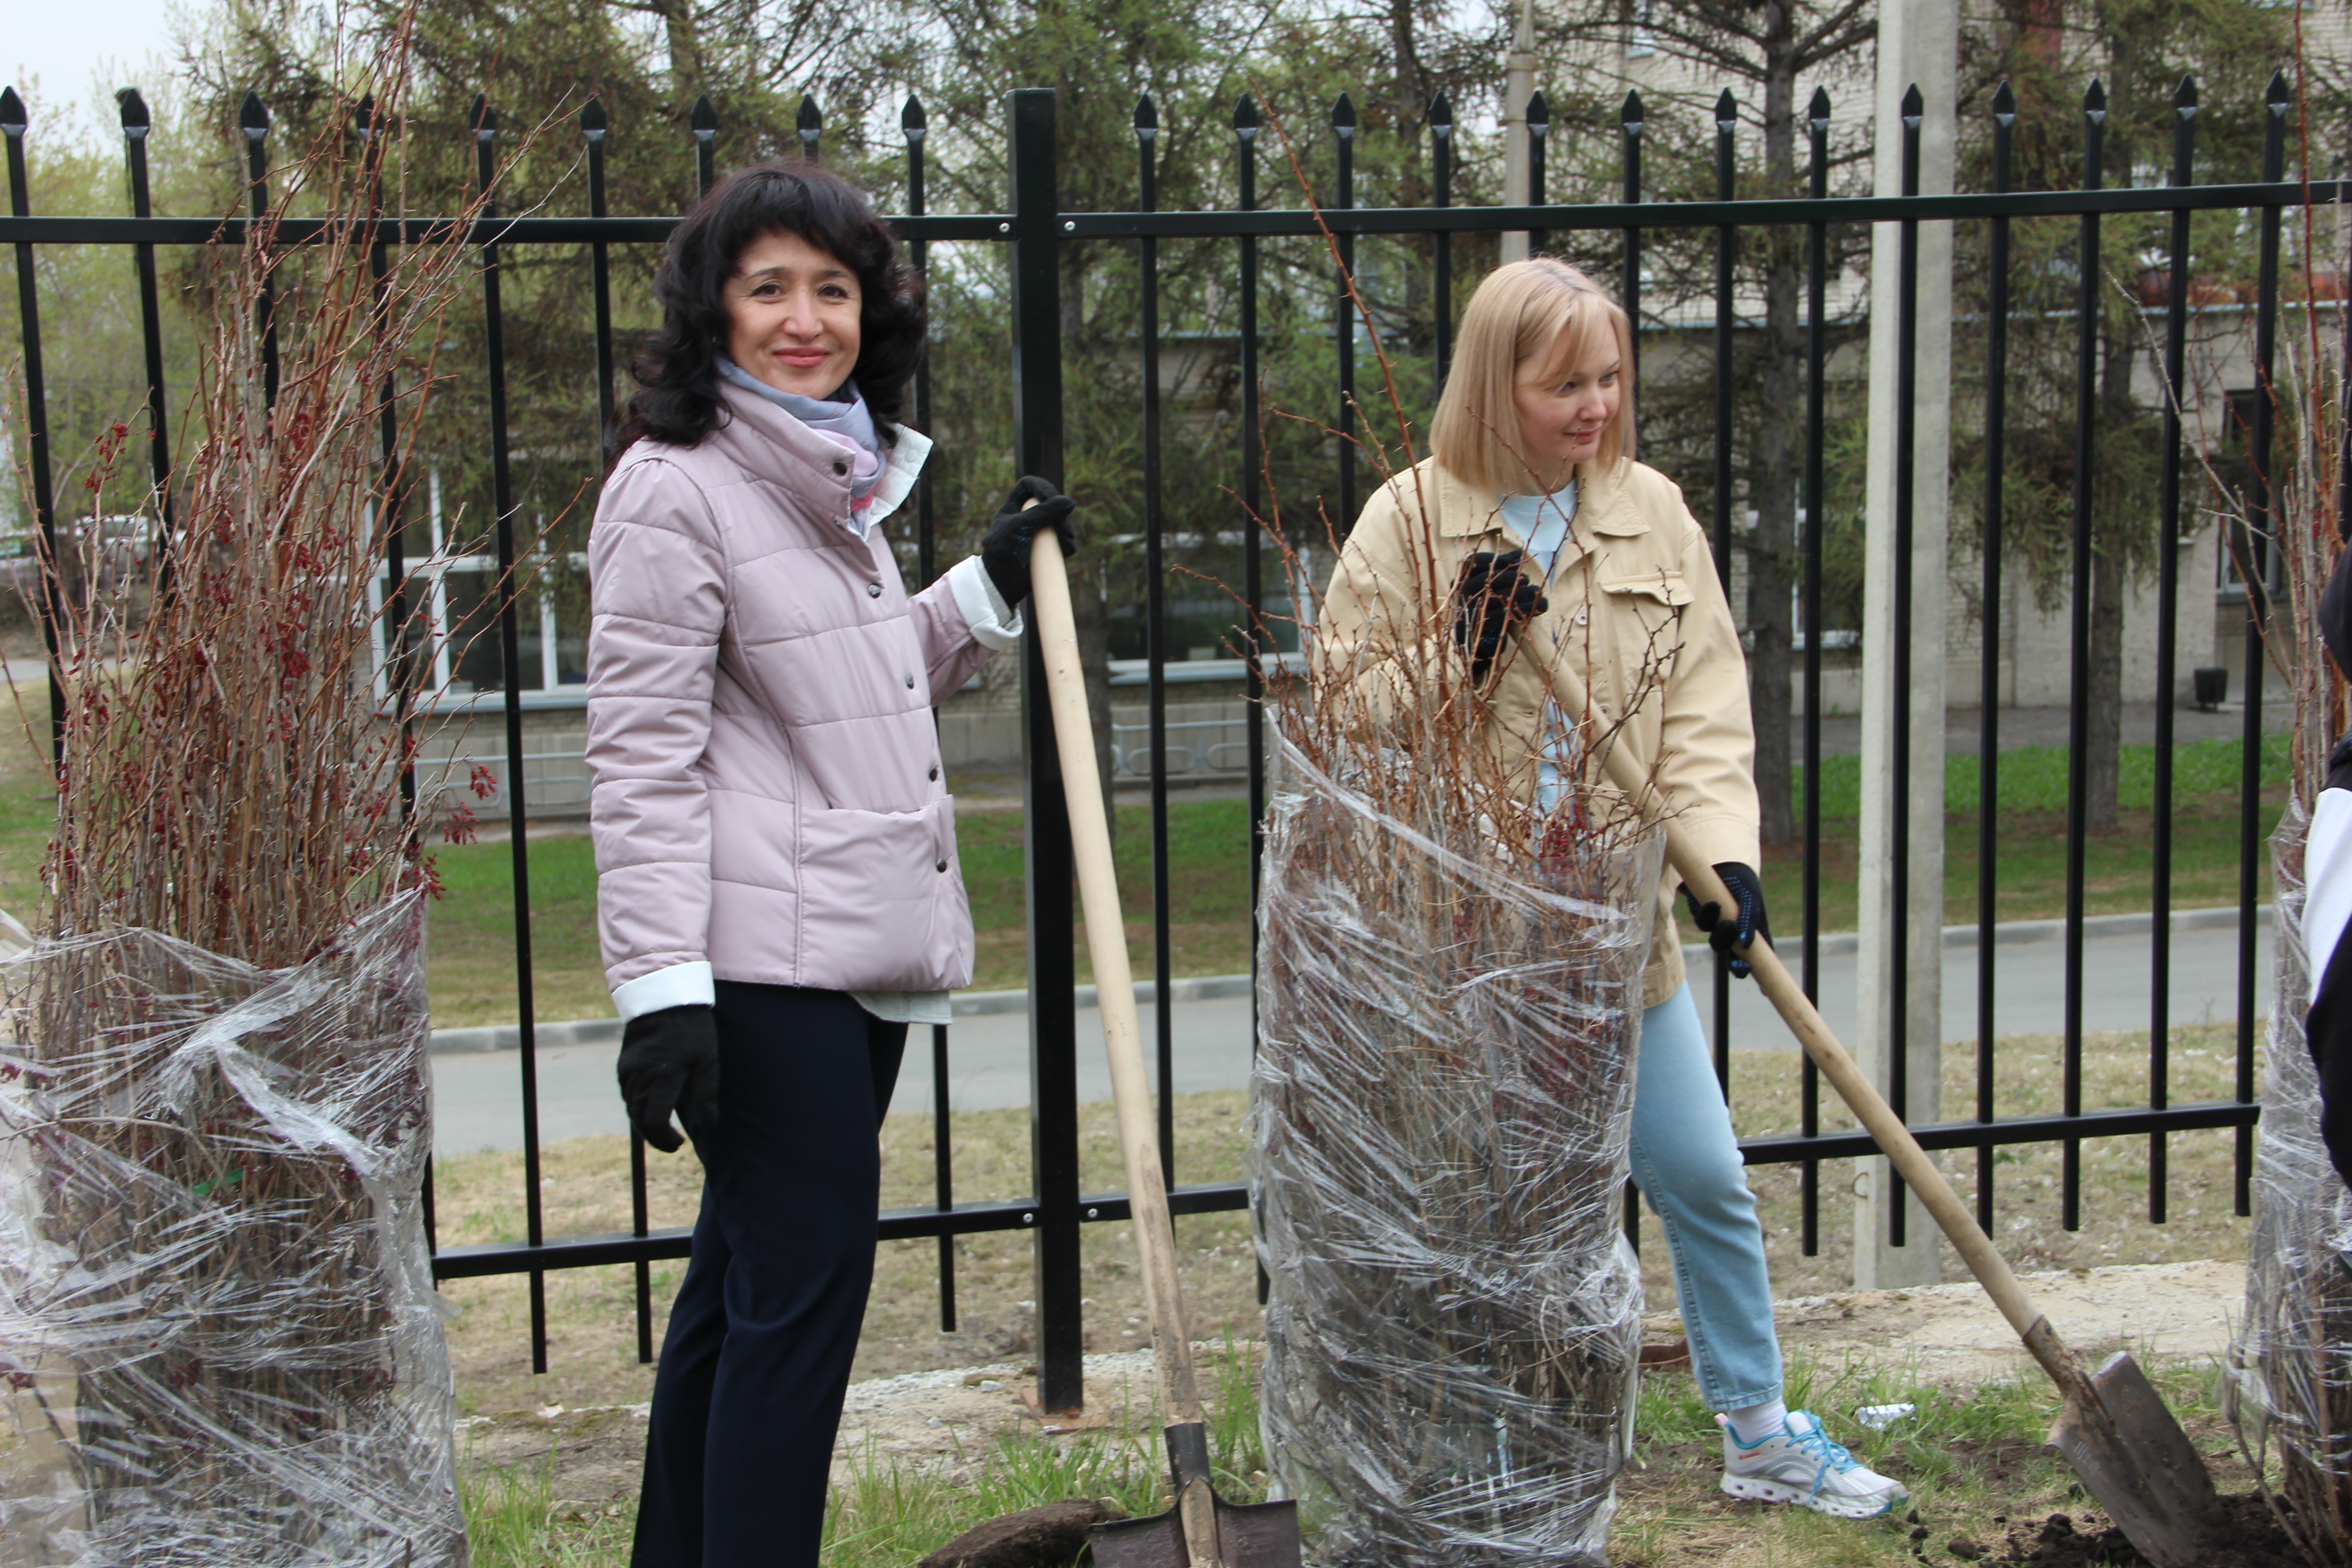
x: 1541, y: 310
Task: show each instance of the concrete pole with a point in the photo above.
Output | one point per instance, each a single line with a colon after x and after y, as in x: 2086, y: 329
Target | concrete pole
x: 1918, y: 42
x: 1518, y: 86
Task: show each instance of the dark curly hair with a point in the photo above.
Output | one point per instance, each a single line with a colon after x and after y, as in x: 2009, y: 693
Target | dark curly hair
x: 677, y: 373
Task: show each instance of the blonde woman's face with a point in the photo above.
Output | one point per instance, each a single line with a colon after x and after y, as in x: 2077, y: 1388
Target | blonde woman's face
x: 1564, y: 407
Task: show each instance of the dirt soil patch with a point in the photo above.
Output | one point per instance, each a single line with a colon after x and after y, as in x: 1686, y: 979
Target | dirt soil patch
x: 2088, y: 1541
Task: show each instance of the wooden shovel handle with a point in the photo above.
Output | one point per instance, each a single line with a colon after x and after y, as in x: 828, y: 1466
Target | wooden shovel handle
x: 1139, y: 1136
x: 1893, y: 1139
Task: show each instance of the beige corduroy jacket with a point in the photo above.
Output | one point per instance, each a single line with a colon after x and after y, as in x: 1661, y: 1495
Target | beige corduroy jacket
x: 1634, y: 602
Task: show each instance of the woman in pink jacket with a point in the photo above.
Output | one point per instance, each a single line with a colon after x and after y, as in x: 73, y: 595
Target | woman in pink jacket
x: 777, y: 889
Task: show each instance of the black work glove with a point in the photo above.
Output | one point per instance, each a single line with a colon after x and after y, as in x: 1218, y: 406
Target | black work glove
x: 670, y: 1061
x: 1004, y: 550
x: 1492, y: 601
x: 1731, y: 936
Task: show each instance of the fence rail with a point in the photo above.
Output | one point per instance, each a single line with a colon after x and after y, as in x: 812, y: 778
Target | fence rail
x: 1034, y: 229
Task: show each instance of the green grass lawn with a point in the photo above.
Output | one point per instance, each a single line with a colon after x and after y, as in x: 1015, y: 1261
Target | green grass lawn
x: 473, y: 972
x: 473, y: 978
x: 471, y: 952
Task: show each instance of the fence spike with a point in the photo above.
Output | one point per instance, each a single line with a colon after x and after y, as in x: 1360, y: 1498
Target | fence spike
x: 253, y: 116
x: 1147, y: 116
x: 2094, y: 102
x: 1819, y: 111
x: 1441, y: 117
x: 2279, y: 95
x: 811, y: 124
x: 2184, y: 97
x: 703, y: 119
x: 1726, y: 111
x: 1914, y: 108
x: 484, y: 118
x: 591, y: 120
x: 134, y: 112
x: 1631, y: 115
x: 1246, y: 118
x: 2004, y: 104
x: 1538, y: 112
x: 911, y: 119
x: 13, y: 119
x: 1343, y: 115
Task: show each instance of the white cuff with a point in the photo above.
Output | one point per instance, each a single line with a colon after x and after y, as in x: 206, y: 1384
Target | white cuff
x: 680, y: 985
x: 994, y: 623
x: 2327, y: 881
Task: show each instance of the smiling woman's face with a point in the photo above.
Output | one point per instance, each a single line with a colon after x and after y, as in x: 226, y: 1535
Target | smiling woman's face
x: 1565, y: 405
x: 793, y: 315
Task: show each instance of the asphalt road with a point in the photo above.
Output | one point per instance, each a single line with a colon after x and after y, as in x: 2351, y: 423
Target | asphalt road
x: 477, y: 1096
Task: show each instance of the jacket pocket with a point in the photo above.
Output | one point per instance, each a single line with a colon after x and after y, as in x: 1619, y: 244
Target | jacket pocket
x: 881, y: 905
x: 1645, y: 611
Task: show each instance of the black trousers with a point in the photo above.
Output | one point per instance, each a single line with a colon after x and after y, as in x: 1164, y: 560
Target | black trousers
x: 747, y: 1400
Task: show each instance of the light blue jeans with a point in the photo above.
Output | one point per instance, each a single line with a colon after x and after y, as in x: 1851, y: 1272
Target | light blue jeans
x: 1686, y: 1162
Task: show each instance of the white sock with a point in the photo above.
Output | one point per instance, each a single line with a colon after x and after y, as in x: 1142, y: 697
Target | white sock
x: 1758, y: 1422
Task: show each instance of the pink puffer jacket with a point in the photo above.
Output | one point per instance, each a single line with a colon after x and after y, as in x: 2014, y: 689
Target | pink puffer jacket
x: 766, y: 796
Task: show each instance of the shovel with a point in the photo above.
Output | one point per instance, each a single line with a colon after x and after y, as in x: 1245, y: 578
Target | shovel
x: 2125, y: 1446
x: 1203, y: 1531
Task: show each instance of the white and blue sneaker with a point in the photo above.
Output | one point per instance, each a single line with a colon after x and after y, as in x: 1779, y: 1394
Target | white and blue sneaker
x: 1799, y: 1464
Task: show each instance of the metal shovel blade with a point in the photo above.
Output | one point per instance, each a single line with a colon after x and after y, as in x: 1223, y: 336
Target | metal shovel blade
x: 1249, y: 1535
x: 2136, y: 1463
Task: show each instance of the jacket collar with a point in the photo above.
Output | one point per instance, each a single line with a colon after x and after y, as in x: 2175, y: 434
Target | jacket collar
x: 1602, y: 503
x: 770, y: 443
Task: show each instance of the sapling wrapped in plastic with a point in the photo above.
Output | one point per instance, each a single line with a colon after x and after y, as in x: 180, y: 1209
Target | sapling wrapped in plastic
x: 1440, y: 1113
x: 1453, y: 935
x: 218, y: 1333
x: 2290, y: 1389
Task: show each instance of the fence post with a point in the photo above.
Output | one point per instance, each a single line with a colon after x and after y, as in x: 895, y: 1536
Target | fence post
x: 1899, y: 1041
x: 1053, y: 978
x: 13, y: 122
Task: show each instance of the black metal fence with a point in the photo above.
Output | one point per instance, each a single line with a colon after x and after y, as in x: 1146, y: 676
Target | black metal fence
x: 1034, y: 229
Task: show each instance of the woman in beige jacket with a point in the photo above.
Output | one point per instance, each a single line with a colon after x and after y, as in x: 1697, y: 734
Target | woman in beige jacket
x: 1542, y: 529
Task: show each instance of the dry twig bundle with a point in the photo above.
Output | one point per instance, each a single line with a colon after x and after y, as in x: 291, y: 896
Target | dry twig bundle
x: 220, y: 1337
x: 2290, y: 1388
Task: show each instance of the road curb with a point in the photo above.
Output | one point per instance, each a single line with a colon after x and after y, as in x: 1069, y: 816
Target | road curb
x: 1211, y: 987
x: 2013, y: 932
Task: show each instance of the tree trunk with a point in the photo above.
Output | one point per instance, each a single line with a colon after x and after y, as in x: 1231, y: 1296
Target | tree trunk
x: 1412, y: 111
x: 1772, y: 484
x: 2103, y: 767
x: 2110, y: 578
x: 1411, y: 86
x: 685, y: 43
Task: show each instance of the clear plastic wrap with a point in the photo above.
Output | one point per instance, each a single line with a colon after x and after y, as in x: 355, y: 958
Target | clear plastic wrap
x: 1439, y: 1119
x: 219, y: 1340
x: 2290, y: 1384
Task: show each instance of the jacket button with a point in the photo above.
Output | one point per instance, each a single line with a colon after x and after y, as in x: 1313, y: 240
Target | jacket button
x: 873, y: 590
x: 935, y: 772
x: 910, y: 683
x: 841, y: 468
x: 939, y: 866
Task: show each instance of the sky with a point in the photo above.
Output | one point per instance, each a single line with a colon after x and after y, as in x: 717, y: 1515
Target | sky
x: 68, y: 44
